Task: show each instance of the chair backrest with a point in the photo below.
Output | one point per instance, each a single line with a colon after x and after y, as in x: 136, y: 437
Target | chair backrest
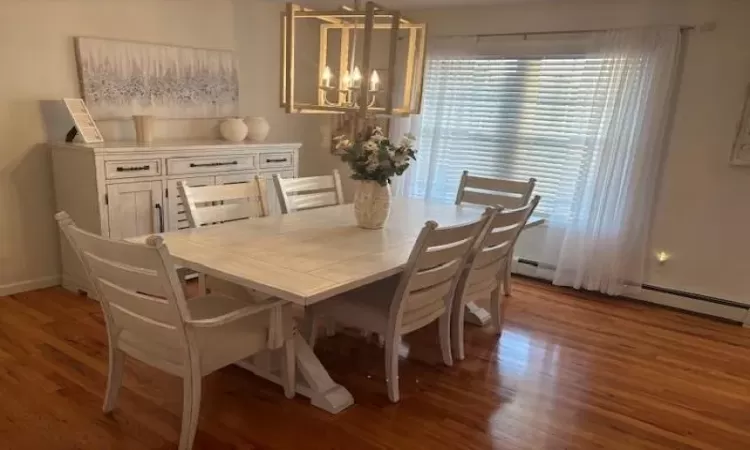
x: 207, y: 205
x: 484, y: 266
x: 299, y: 194
x: 140, y: 293
x: 494, y: 191
x: 429, y: 280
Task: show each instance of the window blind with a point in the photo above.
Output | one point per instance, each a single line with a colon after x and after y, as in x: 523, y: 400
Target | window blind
x: 509, y: 118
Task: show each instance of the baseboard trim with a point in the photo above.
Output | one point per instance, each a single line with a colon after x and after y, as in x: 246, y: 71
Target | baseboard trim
x: 731, y: 312
x: 29, y: 285
x: 671, y: 298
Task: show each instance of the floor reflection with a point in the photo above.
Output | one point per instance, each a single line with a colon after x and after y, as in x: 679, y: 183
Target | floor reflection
x: 527, y: 369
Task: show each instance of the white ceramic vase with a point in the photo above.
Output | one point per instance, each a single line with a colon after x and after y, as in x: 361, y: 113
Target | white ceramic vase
x: 258, y: 128
x: 372, y: 204
x: 233, y: 129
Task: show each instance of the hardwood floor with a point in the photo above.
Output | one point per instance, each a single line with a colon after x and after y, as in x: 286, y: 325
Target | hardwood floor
x: 572, y: 371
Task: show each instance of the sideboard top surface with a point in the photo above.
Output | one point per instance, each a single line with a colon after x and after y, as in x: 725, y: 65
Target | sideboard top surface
x: 173, y: 145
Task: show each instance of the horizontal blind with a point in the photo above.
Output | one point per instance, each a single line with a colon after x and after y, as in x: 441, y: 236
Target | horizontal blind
x: 508, y: 118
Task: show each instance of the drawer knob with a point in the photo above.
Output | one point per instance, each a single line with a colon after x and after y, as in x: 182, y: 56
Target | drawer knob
x: 214, y: 164
x: 133, y: 168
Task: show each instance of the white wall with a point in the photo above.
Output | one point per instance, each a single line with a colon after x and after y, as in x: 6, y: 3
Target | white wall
x: 36, y: 48
x: 703, y: 212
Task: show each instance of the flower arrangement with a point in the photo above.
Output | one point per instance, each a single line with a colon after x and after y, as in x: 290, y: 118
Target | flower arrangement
x: 373, y: 157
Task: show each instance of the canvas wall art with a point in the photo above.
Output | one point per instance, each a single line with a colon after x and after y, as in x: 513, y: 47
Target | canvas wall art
x: 120, y: 79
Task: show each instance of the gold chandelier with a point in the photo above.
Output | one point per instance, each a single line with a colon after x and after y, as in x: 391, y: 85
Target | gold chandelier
x: 369, y: 62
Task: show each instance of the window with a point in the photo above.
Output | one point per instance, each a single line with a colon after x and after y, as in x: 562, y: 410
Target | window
x: 510, y: 118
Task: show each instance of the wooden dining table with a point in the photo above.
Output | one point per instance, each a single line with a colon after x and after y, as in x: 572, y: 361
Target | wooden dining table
x: 307, y: 257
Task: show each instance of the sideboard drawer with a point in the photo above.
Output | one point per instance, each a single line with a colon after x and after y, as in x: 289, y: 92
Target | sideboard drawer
x: 132, y: 169
x: 276, y: 160
x: 179, y: 166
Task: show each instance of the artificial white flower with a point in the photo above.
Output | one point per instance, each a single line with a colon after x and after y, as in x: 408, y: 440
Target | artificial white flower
x: 343, y: 143
x: 369, y: 146
x: 407, y: 141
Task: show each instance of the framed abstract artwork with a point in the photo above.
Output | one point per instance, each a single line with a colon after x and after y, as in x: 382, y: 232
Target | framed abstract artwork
x: 120, y: 79
x: 741, y: 150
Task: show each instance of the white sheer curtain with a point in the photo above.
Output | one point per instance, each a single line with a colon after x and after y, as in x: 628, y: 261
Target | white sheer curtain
x: 586, y: 115
x: 606, y: 226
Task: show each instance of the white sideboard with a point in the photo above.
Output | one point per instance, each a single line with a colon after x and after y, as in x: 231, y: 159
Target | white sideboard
x: 121, y: 189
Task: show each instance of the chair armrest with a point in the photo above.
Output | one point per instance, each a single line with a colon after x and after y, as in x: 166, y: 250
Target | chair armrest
x: 234, y: 315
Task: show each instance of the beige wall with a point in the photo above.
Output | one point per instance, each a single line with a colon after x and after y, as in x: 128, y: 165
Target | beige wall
x: 36, y: 47
x: 258, y: 40
x: 703, y: 212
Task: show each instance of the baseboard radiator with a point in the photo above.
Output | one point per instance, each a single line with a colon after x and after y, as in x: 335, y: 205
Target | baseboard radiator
x: 672, y: 298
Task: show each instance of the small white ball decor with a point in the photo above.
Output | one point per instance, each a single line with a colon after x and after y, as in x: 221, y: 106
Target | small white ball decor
x: 258, y: 128
x: 233, y: 129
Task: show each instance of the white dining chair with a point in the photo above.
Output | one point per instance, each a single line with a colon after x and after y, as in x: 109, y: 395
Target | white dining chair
x: 299, y: 194
x: 210, y: 205
x: 206, y: 205
x: 486, y: 268
x: 148, y: 318
x: 495, y: 192
x: 422, y: 294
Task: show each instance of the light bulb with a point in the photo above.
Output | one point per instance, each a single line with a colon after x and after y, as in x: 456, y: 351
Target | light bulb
x: 356, y: 76
x: 662, y: 257
x: 346, y: 80
x: 374, y: 80
x: 326, y: 77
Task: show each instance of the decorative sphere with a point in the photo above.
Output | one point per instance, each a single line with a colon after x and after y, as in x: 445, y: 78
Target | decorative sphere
x: 233, y: 129
x: 258, y: 128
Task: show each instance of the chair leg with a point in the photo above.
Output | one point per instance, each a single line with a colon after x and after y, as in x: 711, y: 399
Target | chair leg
x: 457, y: 329
x: 330, y: 327
x: 445, y: 338
x: 313, y: 323
x: 289, y: 368
x: 114, y: 378
x: 191, y: 405
x: 391, y: 366
x: 497, y: 320
x: 507, y: 280
x: 202, y: 290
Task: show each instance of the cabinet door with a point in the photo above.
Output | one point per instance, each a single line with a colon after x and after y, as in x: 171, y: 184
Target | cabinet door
x: 177, y: 220
x: 135, y: 209
x: 273, y: 200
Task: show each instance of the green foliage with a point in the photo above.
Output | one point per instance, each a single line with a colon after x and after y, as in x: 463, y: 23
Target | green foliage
x: 373, y: 157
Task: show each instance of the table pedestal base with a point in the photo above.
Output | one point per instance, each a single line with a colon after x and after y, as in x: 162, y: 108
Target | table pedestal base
x: 313, y: 380
x: 476, y: 315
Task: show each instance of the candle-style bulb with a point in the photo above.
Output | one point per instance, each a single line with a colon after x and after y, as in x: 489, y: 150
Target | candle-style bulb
x: 374, y: 80
x: 356, y: 76
x: 346, y: 80
x: 326, y: 77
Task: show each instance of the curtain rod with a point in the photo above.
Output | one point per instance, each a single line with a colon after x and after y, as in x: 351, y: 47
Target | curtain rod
x: 683, y: 28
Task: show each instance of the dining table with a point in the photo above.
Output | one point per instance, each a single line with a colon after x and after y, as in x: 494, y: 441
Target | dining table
x: 307, y: 257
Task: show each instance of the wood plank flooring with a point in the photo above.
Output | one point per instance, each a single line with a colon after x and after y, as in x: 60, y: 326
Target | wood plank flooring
x: 572, y: 371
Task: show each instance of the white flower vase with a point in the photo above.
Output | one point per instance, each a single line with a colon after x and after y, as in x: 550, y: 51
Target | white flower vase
x: 258, y: 128
x: 372, y: 204
x: 233, y: 129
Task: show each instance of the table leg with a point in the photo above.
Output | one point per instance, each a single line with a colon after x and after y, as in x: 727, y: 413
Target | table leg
x: 476, y: 315
x: 313, y: 380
